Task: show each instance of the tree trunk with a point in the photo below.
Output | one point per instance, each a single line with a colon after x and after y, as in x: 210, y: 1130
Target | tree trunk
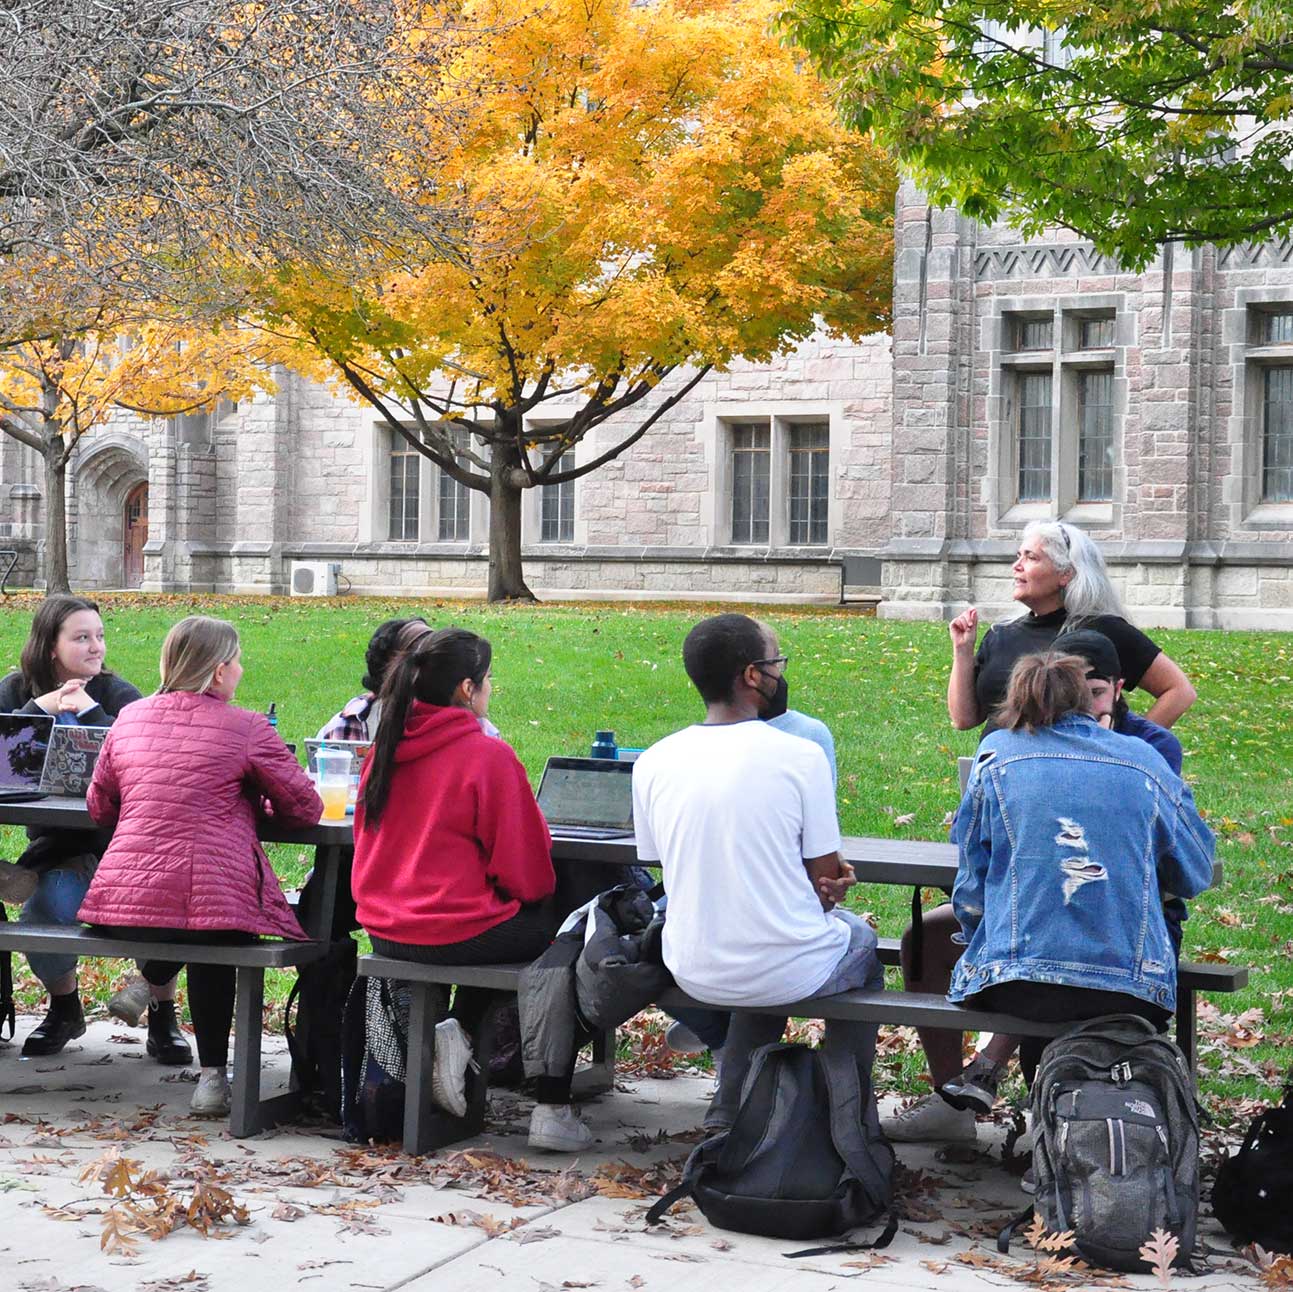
x: 56, y: 519
x: 506, y: 579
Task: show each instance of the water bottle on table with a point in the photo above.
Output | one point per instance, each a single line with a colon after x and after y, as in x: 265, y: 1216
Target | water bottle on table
x: 604, y: 745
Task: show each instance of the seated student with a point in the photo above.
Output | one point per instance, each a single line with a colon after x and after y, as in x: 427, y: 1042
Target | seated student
x: 180, y: 779
x: 359, y: 718
x: 1066, y: 833
x: 62, y: 673
x: 947, y: 1114
x: 742, y: 819
x: 696, y: 1030
x: 975, y: 1088
x: 452, y: 855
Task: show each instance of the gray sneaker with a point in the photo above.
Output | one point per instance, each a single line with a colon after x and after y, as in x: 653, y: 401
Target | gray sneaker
x: 975, y: 1088
x: 130, y: 1004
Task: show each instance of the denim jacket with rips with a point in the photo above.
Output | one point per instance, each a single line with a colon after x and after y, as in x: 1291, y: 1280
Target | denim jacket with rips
x: 1066, y: 838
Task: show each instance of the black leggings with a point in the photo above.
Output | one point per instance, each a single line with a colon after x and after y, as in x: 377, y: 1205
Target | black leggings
x: 1044, y: 1002
x: 210, y: 987
x: 524, y: 937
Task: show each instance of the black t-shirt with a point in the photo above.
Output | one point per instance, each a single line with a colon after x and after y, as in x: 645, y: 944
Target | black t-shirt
x: 1003, y: 645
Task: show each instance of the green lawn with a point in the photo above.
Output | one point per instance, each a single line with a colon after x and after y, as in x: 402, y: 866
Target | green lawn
x: 563, y: 671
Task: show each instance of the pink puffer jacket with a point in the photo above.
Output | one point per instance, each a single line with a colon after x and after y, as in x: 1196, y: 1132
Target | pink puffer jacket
x: 181, y: 778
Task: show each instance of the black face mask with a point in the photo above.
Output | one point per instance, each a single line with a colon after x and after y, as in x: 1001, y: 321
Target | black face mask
x: 778, y: 702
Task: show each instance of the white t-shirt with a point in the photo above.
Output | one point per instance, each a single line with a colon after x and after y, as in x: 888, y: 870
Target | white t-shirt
x: 730, y: 812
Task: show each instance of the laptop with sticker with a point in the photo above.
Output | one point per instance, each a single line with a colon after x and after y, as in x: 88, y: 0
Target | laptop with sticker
x: 587, y: 798
x: 73, y: 752
x: 24, y: 747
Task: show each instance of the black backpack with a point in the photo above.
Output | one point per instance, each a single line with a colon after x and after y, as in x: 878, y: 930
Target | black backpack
x: 1116, y: 1141
x: 805, y: 1157
x: 1253, y: 1193
x: 315, y: 1042
x: 372, y: 1084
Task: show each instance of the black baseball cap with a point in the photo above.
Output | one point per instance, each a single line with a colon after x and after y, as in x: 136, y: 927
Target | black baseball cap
x: 1099, y: 652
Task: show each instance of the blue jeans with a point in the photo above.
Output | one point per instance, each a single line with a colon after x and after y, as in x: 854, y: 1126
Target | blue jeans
x: 858, y: 967
x: 58, y: 897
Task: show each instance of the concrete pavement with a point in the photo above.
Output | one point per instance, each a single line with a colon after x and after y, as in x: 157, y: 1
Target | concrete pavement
x: 321, y: 1214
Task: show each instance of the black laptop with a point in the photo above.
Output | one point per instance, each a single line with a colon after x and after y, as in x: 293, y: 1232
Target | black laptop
x: 588, y: 798
x: 24, y: 748
x: 73, y: 752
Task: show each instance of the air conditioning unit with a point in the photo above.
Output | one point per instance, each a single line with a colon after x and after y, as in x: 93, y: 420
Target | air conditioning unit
x: 315, y: 578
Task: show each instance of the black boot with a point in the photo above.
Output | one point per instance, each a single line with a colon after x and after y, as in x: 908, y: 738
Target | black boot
x: 166, y: 1042
x: 64, y: 1022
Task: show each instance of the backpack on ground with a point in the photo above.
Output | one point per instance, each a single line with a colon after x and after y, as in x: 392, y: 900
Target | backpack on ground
x: 1254, y: 1188
x: 805, y: 1157
x: 375, y: 1055
x: 1116, y: 1141
x: 315, y: 1044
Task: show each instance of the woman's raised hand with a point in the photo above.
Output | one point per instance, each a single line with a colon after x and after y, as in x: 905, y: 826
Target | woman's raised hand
x: 963, y: 630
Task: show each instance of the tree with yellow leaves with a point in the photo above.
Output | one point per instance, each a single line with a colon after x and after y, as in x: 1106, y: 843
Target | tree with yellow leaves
x: 646, y: 192
x: 55, y: 389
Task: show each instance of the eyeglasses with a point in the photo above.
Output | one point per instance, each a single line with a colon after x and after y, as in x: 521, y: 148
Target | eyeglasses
x: 1064, y: 534
x: 783, y: 660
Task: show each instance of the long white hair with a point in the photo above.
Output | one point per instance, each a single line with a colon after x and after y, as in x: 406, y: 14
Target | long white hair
x: 1089, y: 592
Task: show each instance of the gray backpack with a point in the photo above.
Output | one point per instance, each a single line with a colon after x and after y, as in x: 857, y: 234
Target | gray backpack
x: 1116, y: 1141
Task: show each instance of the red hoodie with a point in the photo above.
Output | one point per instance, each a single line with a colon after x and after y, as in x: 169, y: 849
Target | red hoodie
x: 461, y: 844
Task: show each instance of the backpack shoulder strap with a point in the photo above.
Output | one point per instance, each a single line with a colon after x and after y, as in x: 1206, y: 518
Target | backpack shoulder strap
x: 847, y: 1115
x: 704, y: 1153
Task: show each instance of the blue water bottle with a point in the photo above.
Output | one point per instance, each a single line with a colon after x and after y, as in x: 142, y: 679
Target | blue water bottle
x: 604, y: 745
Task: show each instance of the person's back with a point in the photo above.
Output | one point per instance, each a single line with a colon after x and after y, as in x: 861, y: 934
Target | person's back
x: 1067, y: 833
x: 460, y: 846
x: 732, y: 811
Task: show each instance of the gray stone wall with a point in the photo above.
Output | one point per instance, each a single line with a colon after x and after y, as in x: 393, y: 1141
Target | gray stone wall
x: 1185, y: 534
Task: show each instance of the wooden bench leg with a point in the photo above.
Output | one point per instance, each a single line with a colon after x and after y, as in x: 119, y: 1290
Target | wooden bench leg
x: 424, y: 999
x: 599, y: 1077
x: 244, y: 1116
x: 1187, y: 1034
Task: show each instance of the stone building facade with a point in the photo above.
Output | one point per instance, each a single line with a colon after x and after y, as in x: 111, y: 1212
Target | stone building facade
x: 1021, y: 381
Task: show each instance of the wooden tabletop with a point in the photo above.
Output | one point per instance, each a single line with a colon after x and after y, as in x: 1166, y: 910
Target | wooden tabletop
x: 918, y: 862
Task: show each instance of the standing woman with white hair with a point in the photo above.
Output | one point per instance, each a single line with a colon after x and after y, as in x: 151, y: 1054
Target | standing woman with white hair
x: 1061, y: 581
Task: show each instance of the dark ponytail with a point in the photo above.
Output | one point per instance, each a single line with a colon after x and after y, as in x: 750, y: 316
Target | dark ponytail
x: 430, y: 672
x: 1043, y: 688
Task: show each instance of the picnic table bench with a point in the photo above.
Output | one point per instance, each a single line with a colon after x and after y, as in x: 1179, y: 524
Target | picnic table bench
x: 920, y: 864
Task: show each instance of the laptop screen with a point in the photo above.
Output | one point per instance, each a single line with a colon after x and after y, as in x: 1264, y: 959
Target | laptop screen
x: 24, y: 744
x: 73, y: 751
x: 587, y: 792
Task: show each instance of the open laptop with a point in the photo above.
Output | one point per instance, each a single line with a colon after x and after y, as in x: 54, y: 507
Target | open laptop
x: 73, y: 752
x: 588, y: 798
x: 24, y: 747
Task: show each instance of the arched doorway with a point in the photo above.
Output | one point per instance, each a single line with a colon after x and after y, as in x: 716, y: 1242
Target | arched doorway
x: 135, y: 535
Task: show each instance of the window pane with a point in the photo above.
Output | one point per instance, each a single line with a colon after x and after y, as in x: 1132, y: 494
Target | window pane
x: 1277, y: 326
x: 1033, y: 334
x: 809, y: 482
x: 405, y: 465
x: 1277, y: 436
x: 557, y: 507
x: 1095, y: 437
x: 454, y: 509
x: 751, y: 481
x: 1034, y: 435
x: 1095, y: 334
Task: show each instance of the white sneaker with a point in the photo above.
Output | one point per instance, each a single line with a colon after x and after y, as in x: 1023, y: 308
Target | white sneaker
x: 931, y: 1119
x: 449, y: 1070
x: 682, y: 1040
x: 211, y: 1098
x: 130, y: 1004
x: 558, y: 1128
